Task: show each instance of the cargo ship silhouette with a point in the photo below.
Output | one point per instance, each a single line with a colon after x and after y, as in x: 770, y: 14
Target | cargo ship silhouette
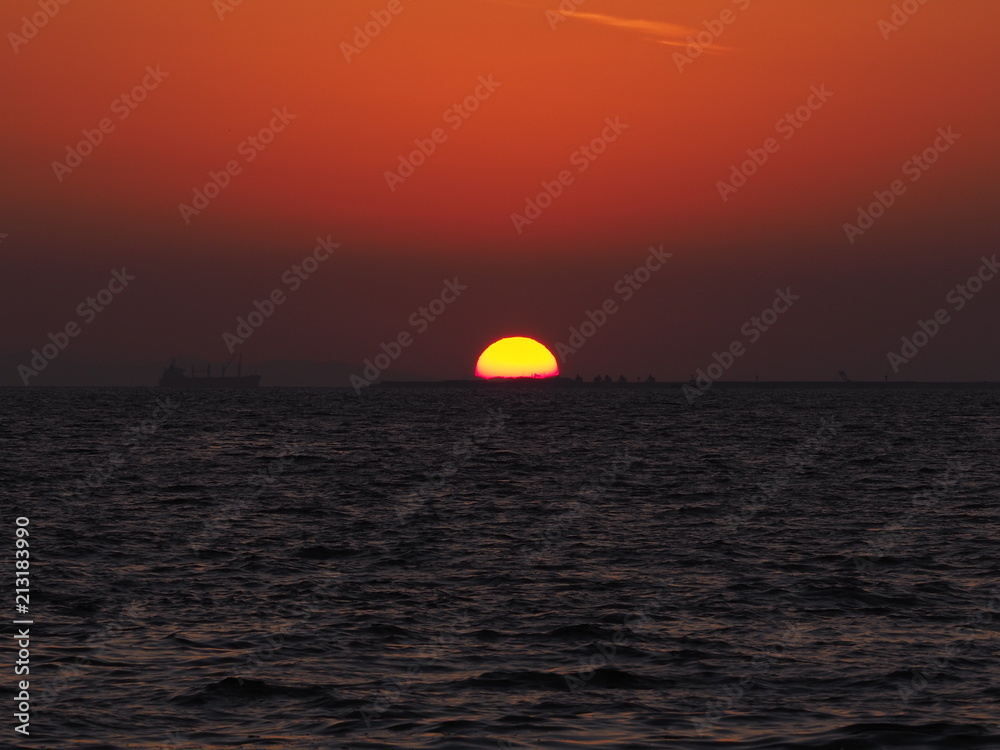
x: 175, y: 377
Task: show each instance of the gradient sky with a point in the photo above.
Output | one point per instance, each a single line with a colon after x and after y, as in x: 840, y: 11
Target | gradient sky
x: 558, y: 78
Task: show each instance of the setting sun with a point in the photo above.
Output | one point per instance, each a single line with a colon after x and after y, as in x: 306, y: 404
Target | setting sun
x: 516, y: 357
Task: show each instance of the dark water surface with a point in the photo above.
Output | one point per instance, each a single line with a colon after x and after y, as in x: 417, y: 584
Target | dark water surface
x: 493, y: 568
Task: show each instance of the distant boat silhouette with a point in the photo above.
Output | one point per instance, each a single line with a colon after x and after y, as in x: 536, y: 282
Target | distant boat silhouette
x: 175, y: 377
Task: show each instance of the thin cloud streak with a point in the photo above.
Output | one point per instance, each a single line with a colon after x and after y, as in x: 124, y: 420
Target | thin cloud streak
x: 670, y: 34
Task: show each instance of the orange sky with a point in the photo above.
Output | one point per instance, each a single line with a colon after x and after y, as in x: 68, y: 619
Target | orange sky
x: 552, y: 91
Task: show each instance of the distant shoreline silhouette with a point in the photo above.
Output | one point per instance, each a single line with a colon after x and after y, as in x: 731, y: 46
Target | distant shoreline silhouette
x: 573, y: 383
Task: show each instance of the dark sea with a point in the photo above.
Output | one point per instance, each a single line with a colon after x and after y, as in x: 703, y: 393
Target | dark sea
x: 506, y: 567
